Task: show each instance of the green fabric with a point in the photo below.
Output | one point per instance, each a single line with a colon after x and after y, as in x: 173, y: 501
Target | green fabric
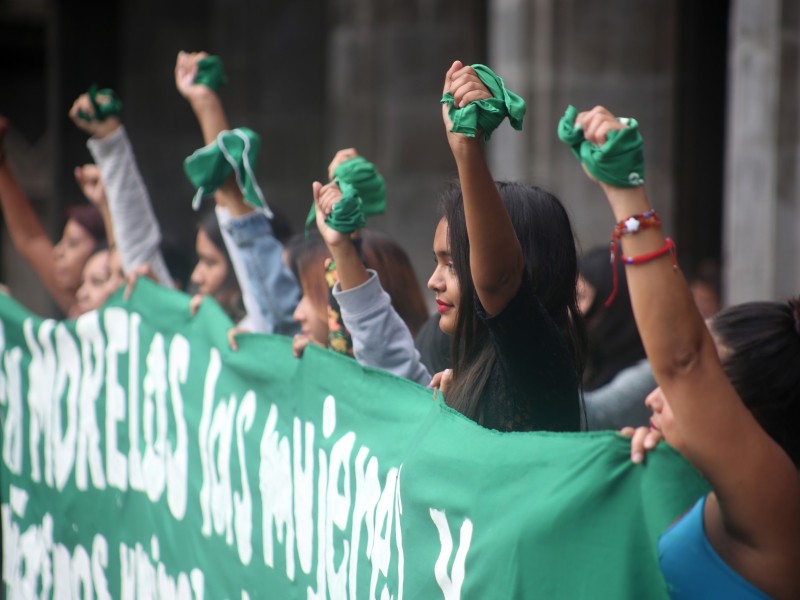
x: 486, y: 115
x: 618, y: 162
x: 210, y: 72
x: 347, y: 215
x: 139, y: 452
x: 112, y: 107
x: 368, y: 182
x: 366, y: 195
x: 234, y: 151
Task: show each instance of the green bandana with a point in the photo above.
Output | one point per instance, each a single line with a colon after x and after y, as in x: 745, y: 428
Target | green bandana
x: 233, y: 151
x: 486, y: 115
x: 367, y: 195
x: 618, y: 162
x: 111, y: 107
x: 364, y: 176
x: 347, y: 215
x: 210, y: 73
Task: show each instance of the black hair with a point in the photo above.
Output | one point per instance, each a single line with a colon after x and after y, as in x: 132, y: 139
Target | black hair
x: 548, y: 247
x: 433, y: 345
x: 613, y: 337
x: 281, y: 227
x: 761, y: 357
x: 179, y: 258
x: 396, y: 273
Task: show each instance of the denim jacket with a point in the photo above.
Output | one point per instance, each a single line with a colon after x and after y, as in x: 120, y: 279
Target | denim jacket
x: 269, y: 289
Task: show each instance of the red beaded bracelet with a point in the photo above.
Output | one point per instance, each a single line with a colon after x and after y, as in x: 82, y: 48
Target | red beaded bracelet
x: 669, y: 246
x: 629, y: 226
x: 636, y: 223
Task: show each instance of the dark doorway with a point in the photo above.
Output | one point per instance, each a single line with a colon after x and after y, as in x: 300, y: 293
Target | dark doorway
x: 700, y: 132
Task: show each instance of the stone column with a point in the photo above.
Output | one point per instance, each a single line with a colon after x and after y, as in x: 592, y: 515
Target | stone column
x: 751, y: 151
x: 762, y: 203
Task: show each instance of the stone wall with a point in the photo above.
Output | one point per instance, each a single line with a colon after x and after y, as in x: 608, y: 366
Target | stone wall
x: 316, y: 76
x: 619, y: 54
x: 385, y: 71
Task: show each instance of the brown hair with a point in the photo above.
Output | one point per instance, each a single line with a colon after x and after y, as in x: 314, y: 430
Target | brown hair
x: 390, y: 261
x: 90, y: 218
x: 306, y: 258
x: 229, y: 293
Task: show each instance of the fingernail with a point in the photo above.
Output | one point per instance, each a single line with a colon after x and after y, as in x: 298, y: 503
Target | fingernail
x: 637, y: 457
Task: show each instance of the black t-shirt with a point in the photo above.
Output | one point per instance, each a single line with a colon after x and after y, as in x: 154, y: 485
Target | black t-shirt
x: 533, y: 384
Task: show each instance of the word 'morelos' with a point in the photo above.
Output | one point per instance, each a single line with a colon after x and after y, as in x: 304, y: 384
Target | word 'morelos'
x: 74, y: 389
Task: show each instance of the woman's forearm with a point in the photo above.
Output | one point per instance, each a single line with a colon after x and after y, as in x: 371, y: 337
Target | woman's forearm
x: 496, y: 260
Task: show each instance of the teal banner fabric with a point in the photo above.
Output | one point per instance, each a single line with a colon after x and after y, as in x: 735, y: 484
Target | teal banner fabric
x: 143, y: 458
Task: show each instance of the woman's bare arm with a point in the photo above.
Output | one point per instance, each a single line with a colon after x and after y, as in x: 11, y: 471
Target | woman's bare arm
x: 496, y: 260
x: 756, y: 501
x: 27, y: 233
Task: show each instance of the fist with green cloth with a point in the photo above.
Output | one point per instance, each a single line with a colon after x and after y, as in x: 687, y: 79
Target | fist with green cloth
x: 210, y: 72
x: 233, y: 152
x: 102, y: 104
x: 337, y: 210
x: 619, y: 159
x: 230, y: 153
x: 198, y: 73
x: 97, y: 112
x: 363, y: 189
x: 476, y: 100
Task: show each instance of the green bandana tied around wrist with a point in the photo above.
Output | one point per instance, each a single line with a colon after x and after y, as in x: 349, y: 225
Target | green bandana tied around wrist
x: 110, y: 107
x: 364, y: 194
x: 210, y: 73
x: 618, y: 162
x: 233, y: 151
x: 486, y: 115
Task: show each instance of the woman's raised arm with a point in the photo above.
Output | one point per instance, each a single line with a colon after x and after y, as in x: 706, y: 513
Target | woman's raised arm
x: 755, y: 506
x: 495, y: 256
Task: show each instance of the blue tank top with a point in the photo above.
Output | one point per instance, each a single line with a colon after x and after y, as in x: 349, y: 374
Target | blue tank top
x: 691, y: 566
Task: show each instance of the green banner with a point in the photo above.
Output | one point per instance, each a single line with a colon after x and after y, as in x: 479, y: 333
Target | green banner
x: 142, y: 458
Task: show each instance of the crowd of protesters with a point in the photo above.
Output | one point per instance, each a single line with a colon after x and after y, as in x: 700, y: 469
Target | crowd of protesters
x: 529, y: 334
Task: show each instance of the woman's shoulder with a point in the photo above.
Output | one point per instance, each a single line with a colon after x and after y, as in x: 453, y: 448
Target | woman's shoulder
x: 691, y: 566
